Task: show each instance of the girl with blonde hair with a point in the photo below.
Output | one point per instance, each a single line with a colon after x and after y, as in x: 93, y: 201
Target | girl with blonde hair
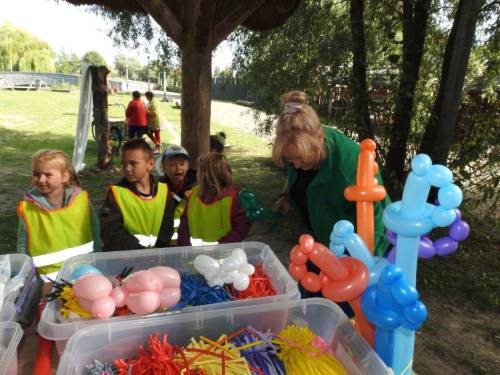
x: 320, y: 163
x: 213, y: 213
x: 56, y: 219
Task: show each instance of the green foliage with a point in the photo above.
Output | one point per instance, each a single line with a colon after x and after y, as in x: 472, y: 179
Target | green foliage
x: 20, y: 51
x: 93, y: 58
x: 69, y: 63
x: 130, y: 66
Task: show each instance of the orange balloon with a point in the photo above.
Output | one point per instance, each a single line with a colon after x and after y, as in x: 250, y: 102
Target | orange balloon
x: 296, y: 271
x: 311, y: 282
x: 297, y: 256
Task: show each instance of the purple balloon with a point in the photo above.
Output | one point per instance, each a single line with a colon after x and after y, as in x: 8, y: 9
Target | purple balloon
x: 458, y: 214
x: 445, y: 246
x: 392, y: 255
x: 391, y: 236
x: 459, y: 230
x: 426, y: 249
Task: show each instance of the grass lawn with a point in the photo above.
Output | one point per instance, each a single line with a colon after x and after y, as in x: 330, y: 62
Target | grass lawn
x: 461, y: 292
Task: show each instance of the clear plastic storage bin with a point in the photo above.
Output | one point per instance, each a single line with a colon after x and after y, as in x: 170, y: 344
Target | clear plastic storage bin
x: 111, y: 341
x: 10, y: 335
x: 180, y: 258
x: 20, y: 265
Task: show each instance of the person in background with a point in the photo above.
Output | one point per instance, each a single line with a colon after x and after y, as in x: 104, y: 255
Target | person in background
x: 179, y: 178
x: 153, y: 118
x: 217, y: 142
x: 136, y: 116
x: 213, y: 213
x: 138, y: 211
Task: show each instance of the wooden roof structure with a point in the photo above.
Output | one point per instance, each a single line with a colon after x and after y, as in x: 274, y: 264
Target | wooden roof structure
x: 197, y: 27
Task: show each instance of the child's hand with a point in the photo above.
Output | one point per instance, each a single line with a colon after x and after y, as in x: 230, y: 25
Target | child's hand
x: 281, y: 205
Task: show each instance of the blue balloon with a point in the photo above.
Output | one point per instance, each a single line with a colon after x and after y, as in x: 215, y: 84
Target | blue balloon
x: 83, y: 270
x: 421, y: 164
x: 440, y: 176
x: 450, y: 196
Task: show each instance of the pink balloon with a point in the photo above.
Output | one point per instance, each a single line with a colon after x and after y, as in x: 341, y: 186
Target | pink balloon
x: 170, y: 297
x: 143, y: 303
x: 103, y: 308
x: 169, y: 276
x: 92, y: 287
x: 85, y: 303
x: 143, y: 281
x: 119, y: 295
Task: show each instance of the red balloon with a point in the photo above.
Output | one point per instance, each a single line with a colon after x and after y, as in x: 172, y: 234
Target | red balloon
x: 297, y: 271
x: 311, y: 282
x: 297, y: 256
x: 306, y: 243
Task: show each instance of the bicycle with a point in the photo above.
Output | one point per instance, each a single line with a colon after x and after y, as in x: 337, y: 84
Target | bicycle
x: 117, y: 130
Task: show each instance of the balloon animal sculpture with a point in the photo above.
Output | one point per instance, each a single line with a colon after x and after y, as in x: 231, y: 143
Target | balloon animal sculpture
x: 387, y: 292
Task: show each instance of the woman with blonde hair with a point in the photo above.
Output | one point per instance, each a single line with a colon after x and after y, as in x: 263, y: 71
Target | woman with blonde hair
x: 320, y: 163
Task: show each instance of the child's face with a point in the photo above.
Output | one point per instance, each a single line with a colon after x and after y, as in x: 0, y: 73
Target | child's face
x: 176, y: 168
x: 136, y: 165
x: 48, y: 178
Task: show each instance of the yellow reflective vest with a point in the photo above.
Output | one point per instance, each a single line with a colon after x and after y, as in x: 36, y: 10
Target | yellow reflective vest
x: 142, y: 217
x: 56, y: 235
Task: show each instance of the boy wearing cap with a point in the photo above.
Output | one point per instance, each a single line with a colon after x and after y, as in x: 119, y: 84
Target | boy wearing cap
x: 179, y: 178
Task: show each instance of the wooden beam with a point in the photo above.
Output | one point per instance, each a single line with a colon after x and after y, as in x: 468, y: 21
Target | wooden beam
x: 164, y: 16
x: 240, y: 12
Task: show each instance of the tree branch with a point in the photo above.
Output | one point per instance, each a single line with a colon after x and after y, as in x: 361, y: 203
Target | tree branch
x: 164, y: 16
x: 241, y: 11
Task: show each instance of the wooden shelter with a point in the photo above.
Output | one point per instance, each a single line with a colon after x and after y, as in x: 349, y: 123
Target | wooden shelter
x: 197, y: 27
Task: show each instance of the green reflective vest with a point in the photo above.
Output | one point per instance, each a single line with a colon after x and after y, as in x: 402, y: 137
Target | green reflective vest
x: 209, y: 222
x: 142, y: 217
x: 325, y: 194
x: 57, y: 235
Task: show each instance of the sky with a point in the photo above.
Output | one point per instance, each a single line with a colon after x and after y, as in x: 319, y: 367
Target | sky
x: 64, y: 26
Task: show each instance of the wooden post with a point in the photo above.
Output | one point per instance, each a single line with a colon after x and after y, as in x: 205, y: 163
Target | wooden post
x: 100, y: 111
x: 196, y: 95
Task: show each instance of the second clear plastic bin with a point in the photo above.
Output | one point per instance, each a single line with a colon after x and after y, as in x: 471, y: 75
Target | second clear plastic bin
x: 109, y: 342
x: 180, y: 258
x: 10, y: 336
x: 20, y: 265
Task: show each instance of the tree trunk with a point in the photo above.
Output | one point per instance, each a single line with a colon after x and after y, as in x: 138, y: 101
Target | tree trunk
x: 415, y: 16
x: 196, y: 95
x: 441, y: 127
x: 359, y: 90
x: 100, y: 110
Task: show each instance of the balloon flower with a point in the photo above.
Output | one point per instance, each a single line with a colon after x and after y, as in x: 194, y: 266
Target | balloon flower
x: 234, y: 269
x: 409, y: 219
x: 143, y: 292
x: 366, y: 191
x: 458, y: 231
x: 340, y: 279
x: 390, y: 304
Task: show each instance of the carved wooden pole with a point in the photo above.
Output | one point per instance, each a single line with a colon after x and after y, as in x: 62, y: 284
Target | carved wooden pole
x: 100, y: 111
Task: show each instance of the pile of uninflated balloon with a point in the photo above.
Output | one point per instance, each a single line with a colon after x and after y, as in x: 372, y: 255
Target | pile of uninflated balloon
x: 294, y: 350
x: 91, y: 294
x: 381, y: 290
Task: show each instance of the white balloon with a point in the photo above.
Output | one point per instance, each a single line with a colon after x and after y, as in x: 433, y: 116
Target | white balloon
x: 216, y: 281
x: 231, y: 263
x: 247, y: 269
x: 241, y: 282
x: 204, y: 264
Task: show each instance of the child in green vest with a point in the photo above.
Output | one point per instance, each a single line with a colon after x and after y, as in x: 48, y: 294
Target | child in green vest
x: 213, y: 213
x: 179, y: 178
x: 56, y: 219
x: 138, y: 211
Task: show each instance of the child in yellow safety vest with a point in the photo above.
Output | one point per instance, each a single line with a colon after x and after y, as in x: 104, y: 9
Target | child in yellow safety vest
x: 56, y: 220
x: 174, y: 163
x: 138, y: 211
x: 213, y: 213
